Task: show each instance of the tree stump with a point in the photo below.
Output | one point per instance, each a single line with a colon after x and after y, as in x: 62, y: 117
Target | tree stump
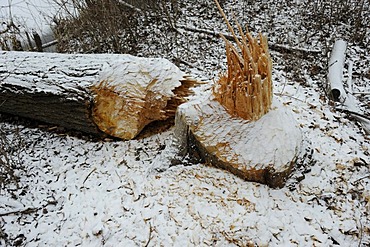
x: 239, y: 126
x: 262, y: 151
x: 98, y: 94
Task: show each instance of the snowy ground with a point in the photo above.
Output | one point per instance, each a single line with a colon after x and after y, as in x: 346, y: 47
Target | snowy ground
x: 80, y: 192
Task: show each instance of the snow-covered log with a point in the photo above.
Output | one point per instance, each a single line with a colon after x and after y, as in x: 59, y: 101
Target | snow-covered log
x: 99, y: 94
x: 335, y: 75
x: 262, y: 151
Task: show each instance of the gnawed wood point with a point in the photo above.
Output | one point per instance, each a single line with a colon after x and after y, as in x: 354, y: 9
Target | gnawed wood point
x: 245, y: 90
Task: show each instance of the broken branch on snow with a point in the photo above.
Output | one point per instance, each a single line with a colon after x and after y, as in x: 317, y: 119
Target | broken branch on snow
x: 297, y: 51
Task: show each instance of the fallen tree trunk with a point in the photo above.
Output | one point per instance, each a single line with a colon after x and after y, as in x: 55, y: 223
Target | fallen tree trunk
x: 98, y: 94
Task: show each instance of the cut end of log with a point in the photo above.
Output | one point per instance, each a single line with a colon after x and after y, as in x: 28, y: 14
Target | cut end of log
x: 136, y: 92
x: 246, y: 89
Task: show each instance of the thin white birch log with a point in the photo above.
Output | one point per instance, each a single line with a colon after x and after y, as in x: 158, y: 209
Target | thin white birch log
x: 335, y: 80
x: 335, y: 75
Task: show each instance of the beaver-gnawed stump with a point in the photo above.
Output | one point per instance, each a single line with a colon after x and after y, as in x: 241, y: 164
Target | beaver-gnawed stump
x: 262, y: 151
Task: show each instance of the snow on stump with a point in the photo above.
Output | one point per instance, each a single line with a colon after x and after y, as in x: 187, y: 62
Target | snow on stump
x: 262, y: 151
x: 239, y: 126
x: 99, y: 94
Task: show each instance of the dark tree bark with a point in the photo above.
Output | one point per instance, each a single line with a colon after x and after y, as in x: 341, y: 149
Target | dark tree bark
x: 53, y: 88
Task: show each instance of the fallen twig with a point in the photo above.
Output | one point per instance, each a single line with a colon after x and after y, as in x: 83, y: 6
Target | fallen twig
x: 276, y: 47
x: 27, y: 210
x: 358, y: 180
x: 48, y: 44
x: 289, y: 96
x: 150, y: 235
x: 361, y: 93
x: 364, y: 120
x: 361, y: 233
x: 130, y: 6
x: 88, y: 175
x: 354, y: 113
x: 24, y: 211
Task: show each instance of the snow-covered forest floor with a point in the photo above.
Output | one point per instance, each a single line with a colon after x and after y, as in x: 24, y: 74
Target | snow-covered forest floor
x: 78, y: 191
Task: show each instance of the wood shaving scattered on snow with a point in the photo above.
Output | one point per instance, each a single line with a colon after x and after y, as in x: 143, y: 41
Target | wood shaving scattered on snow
x: 105, y: 193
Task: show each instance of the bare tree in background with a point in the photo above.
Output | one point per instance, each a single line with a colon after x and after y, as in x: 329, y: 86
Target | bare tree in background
x: 111, y: 25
